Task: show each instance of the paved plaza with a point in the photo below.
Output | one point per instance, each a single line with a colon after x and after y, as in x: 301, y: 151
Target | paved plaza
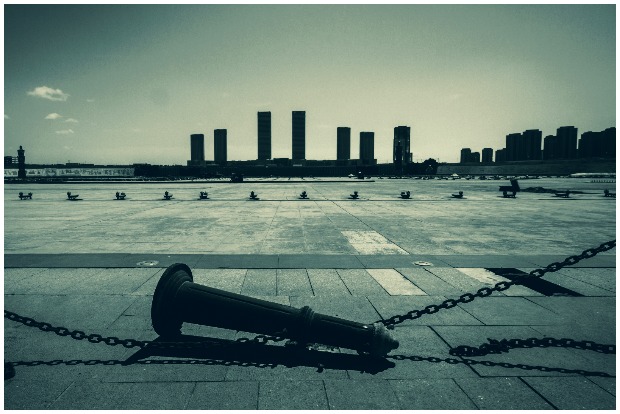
x: 93, y: 265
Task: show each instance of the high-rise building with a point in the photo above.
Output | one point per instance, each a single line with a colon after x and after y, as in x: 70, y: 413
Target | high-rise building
x: 566, y: 140
x: 264, y: 135
x: 402, y: 145
x: 550, y: 144
x: 197, y: 143
x: 532, y: 139
x: 598, y: 144
x: 475, y: 157
x: 343, y: 143
x: 367, y: 146
x: 465, y: 155
x: 500, y: 155
x: 21, y: 162
x: 299, y: 135
x: 487, y: 155
x: 512, y: 142
x: 219, y: 146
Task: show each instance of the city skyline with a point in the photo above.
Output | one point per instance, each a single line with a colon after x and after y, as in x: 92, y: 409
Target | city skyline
x: 129, y: 84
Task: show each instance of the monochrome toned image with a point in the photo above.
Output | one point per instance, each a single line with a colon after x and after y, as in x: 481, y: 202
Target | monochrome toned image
x: 309, y: 206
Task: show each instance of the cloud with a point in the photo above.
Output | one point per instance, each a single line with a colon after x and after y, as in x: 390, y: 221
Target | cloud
x: 46, y: 92
x: 65, y: 132
x: 90, y: 100
x: 6, y: 116
x: 72, y: 120
x: 53, y: 116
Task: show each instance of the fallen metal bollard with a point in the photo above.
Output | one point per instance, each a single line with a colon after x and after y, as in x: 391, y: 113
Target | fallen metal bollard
x: 354, y: 196
x: 405, y: 194
x: 177, y: 300
x: 303, y: 195
x: 459, y: 195
x: 204, y: 195
x: 71, y: 197
x: 253, y: 196
x: 167, y: 196
x: 23, y: 196
x: 120, y: 196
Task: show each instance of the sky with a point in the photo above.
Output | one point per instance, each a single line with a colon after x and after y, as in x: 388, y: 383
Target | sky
x: 119, y: 84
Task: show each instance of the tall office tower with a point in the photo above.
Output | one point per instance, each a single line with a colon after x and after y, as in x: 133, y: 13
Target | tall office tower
x: 402, y: 145
x: 367, y: 146
x: 264, y: 135
x: 512, y: 142
x: 532, y: 139
x: 550, y: 144
x: 197, y: 142
x: 465, y: 155
x: 598, y: 144
x: 500, y: 155
x: 299, y: 135
x: 487, y: 154
x: 219, y: 146
x: 475, y: 157
x: 609, y: 143
x: 566, y: 139
x: 21, y: 163
x: 343, y: 143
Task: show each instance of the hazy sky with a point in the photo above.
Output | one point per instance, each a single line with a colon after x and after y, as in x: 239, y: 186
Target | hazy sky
x: 124, y: 84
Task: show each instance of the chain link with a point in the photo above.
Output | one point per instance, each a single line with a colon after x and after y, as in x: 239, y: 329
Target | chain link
x: 499, y: 287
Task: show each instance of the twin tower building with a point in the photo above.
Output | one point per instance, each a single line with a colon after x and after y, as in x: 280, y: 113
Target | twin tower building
x: 402, y: 154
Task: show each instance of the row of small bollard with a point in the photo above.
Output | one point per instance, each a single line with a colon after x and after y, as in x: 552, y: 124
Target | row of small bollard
x: 303, y: 196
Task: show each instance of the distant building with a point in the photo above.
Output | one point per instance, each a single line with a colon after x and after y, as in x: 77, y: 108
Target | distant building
x: 343, y: 143
x: 465, y: 155
x: 367, y: 146
x: 512, y: 142
x: 500, y: 155
x: 487, y: 155
x: 197, y: 142
x: 219, y: 146
x: 598, y: 144
x: 550, y: 151
x: 21, y: 163
x: 264, y: 135
x: 402, y: 145
x: 475, y: 157
x: 566, y: 148
x: 532, y: 139
x: 299, y: 135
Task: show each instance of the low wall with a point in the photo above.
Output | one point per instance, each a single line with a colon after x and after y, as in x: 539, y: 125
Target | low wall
x: 529, y: 168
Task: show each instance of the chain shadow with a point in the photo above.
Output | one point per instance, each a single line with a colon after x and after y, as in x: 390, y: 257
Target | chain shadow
x: 250, y: 353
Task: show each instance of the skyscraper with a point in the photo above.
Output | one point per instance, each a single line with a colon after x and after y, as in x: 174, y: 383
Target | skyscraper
x: 299, y: 135
x: 219, y: 146
x: 532, y: 139
x: 197, y: 142
x: 367, y: 147
x: 487, y: 155
x: 512, y: 141
x: 402, y: 145
x: 264, y: 135
x: 566, y: 140
x: 465, y: 155
x: 343, y: 143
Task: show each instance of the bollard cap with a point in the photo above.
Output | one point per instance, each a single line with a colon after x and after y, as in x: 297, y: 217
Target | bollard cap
x: 163, y: 316
x: 382, y: 342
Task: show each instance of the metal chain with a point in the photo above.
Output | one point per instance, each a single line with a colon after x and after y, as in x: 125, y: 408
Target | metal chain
x: 499, y: 287
x: 495, y: 347
x: 127, y: 343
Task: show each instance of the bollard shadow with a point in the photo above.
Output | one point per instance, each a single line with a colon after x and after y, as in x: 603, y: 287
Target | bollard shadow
x: 257, y: 354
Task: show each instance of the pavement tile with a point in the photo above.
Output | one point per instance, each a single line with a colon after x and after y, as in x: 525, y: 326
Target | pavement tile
x: 431, y: 394
x: 502, y: 394
x: 238, y: 395
x: 327, y: 282
x: 292, y: 395
x: 230, y: 280
x: 573, y: 393
x: 237, y: 261
x: 32, y: 394
x: 388, y: 306
x: 20, y: 280
x: 583, y: 288
x: 293, y: 282
x: 598, y: 311
x: 394, y: 283
x: 314, y: 261
x: 428, y: 282
x: 601, y: 260
x: 604, y: 278
x: 361, y: 395
x: 511, y: 311
x: 458, y: 279
x: 608, y: 384
x: 260, y: 282
x: 163, y: 260
x: 360, y: 283
x: 493, y: 261
x: 552, y: 359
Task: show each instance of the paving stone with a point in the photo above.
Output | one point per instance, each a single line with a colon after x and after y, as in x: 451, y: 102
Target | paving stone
x: 511, y: 311
x: 293, y: 282
x: 431, y: 394
x: 585, y: 289
x: 599, y: 311
x: 482, y: 261
x: 32, y: 394
x: 361, y: 395
x: 428, y: 282
x: 292, y: 395
x: 360, y: 283
x: 388, y: 306
x: 353, y: 308
x: 313, y: 261
x: 155, y: 395
x: 608, y: 384
x: 600, y: 260
x: 502, y: 394
x: 599, y: 277
x: 230, y: 280
x: 260, y: 282
x: 573, y: 393
x: 327, y: 282
x: 394, y: 283
x: 20, y: 280
x: 457, y: 279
